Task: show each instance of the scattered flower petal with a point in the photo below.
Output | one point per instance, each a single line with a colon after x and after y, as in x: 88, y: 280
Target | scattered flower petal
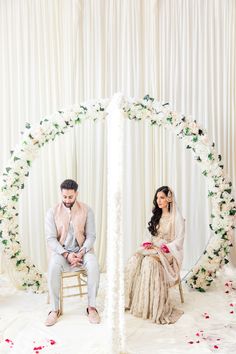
x: 52, y: 342
x: 39, y: 348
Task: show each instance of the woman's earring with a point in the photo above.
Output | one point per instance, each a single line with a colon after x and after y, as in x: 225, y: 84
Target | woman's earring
x: 169, y: 197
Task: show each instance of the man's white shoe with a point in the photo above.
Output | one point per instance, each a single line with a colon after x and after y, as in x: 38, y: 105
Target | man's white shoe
x: 52, y: 318
x: 93, y: 316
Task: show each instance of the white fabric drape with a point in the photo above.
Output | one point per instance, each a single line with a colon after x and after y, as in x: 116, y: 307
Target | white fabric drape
x: 60, y: 52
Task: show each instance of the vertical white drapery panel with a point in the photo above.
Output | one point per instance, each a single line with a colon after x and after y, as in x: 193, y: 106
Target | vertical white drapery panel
x: 60, y: 52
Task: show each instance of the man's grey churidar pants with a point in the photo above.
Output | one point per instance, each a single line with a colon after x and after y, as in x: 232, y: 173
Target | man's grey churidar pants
x: 59, y: 264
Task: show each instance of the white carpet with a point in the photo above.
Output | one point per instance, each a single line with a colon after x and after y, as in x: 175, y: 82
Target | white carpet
x: 208, y: 324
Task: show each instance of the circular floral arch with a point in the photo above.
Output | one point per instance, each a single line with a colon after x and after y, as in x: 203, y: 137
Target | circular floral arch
x: 195, y: 138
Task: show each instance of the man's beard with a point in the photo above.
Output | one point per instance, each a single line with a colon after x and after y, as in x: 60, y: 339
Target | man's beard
x: 69, y: 205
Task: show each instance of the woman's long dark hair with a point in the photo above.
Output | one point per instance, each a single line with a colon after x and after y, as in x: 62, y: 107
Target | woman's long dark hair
x: 156, y: 211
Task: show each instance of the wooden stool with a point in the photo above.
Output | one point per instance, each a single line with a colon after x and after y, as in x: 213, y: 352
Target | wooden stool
x: 81, y: 276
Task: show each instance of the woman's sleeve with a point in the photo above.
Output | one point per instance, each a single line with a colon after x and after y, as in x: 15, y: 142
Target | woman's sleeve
x: 176, y: 246
x: 147, y: 237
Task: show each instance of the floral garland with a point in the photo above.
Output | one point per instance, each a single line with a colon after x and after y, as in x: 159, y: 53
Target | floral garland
x: 194, y: 137
x: 115, y: 246
x: 13, y: 178
x: 219, y: 186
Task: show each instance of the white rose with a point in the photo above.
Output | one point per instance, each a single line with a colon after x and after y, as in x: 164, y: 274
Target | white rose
x: 204, y: 140
x: 193, y: 127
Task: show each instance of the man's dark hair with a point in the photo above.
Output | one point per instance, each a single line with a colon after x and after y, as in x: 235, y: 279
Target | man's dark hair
x: 69, y: 184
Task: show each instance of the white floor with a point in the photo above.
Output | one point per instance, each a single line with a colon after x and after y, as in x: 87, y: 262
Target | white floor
x: 22, y: 329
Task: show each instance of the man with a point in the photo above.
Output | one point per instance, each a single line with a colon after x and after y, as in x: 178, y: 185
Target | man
x: 70, y: 233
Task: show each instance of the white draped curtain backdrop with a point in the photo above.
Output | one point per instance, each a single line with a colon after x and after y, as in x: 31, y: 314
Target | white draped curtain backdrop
x: 60, y: 52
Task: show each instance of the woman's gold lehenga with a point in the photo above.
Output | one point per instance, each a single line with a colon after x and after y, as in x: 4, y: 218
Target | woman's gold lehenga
x: 147, y: 280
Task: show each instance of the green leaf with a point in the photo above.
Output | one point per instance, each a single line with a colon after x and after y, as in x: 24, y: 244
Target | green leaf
x: 4, y: 242
x: 201, y: 290
x: 16, y: 158
x: 224, y: 236
x: 228, y: 190
x: 27, y: 125
x: 219, y: 231
x: 15, y: 255
x: 19, y: 262
x: 187, y: 131
x: 195, y: 138
x: 148, y: 98
x: 210, y: 156
x: 14, y: 198
x: 37, y: 283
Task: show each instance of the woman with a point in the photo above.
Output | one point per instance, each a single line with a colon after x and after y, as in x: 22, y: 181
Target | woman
x: 156, y: 265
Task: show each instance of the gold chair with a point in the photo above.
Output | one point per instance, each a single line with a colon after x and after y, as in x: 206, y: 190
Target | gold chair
x: 181, y: 293
x: 81, y: 276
